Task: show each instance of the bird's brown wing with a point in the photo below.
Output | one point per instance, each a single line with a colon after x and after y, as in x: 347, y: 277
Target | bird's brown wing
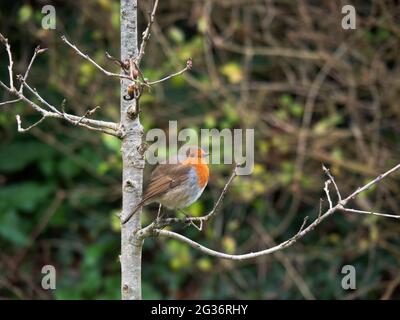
x: 163, y: 178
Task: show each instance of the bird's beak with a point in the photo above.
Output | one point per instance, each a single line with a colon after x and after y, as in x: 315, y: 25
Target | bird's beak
x: 206, y: 155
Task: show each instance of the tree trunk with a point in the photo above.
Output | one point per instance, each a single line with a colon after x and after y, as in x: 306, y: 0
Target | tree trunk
x: 133, y: 164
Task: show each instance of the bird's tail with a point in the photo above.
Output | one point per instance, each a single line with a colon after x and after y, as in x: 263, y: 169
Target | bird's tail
x: 132, y: 213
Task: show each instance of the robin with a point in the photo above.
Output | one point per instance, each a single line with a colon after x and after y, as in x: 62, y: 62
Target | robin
x: 176, y: 186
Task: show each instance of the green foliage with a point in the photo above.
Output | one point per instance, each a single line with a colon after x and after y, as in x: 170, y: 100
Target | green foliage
x: 13, y: 160
x: 60, y: 185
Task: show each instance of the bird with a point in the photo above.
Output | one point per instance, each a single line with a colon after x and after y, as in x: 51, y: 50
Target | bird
x: 176, y: 186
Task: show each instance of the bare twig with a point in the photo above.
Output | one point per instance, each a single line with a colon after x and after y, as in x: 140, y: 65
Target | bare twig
x: 302, y: 226
x: 159, y: 211
x: 146, y: 33
x: 118, y: 62
x: 37, y: 51
x: 328, y: 173
x: 9, y: 102
x: 189, y: 65
x: 372, y: 213
x: 320, y: 208
x: 88, y: 113
x: 20, y: 129
x: 4, y: 40
x: 110, y: 128
x: 371, y: 183
x: 326, y: 189
x: 97, y: 125
x: 151, y: 230
x: 82, y: 121
x: 37, y: 95
x: 85, y: 56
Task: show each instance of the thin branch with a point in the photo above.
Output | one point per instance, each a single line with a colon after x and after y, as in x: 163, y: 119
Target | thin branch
x: 9, y: 102
x: 328, y: 173
x: 320, y: 208
x: 4, y: 85
x: 37, y: 95
x: 159, y: 211
x: 237, y: 257
x: 326, y: 189
x: 371, y: 183
x: 301, y: 227
x: 88, y: 113
x: 96, y: 125
x: 118, y: 62
x: 146, y: 33
x: 371, y: 213
x: 76, y: 120
x: 37, y: 51
x: 20, y: 129
x: 85, y: 56
x: 151, y: 231
x: 189, y: 65
x: 4, y: 40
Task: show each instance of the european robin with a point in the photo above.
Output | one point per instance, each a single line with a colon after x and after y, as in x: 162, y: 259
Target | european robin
x: 177, y: 186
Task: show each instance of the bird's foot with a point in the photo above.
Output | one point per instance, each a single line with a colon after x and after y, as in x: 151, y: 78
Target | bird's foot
x: 190, y: 222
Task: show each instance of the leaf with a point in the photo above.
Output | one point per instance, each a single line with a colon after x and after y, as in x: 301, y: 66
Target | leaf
x: 202, y: 24
x: 233, y: 72
x: 24, y: 196
x: 229, y: 244
x: 25, y: 13
x: 196, y: 209
x: 176, y: 35
x: 115, y: 221
x: 16, y: 156
x: 204, y: 264
x: 10, y: 228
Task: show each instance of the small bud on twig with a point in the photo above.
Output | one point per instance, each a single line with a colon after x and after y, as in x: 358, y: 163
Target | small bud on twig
x: 40, y: 50
x: 189, y: 64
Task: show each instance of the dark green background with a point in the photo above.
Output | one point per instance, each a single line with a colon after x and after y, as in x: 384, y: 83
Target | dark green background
x: 60, y: 185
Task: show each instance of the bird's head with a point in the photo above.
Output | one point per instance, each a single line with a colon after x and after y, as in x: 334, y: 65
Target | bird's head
x: 195, y: 155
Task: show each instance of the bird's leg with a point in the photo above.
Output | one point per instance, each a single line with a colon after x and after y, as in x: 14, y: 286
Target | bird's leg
x: 190, y: 221
x: 159, y: 214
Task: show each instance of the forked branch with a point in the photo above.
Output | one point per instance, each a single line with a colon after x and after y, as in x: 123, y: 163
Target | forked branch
x: 48, y: 110
x: 151, y: 230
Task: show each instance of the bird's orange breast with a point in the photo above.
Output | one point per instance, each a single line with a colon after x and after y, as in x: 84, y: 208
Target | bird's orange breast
x: 202, y: 170
x: 202, y: 174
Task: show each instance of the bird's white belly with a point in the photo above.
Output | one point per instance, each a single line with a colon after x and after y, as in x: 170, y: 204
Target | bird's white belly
x: 184, y: 195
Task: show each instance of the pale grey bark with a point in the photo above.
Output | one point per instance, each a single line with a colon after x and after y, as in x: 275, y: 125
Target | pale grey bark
x: 133, y: 164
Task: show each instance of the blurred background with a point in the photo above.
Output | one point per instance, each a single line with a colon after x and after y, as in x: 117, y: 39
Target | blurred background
x: 313, y: 92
